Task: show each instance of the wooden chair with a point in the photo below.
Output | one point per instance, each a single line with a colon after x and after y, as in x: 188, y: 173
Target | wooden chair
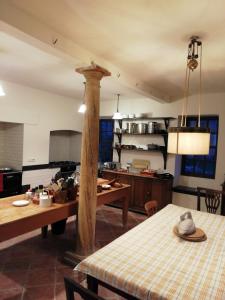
x: 151, y: 207
x: 213, y: 199
x: 73, y: 287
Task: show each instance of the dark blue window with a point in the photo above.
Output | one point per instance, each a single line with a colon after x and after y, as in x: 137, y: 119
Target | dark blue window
x: 202, y: 165
x: 106, y: 135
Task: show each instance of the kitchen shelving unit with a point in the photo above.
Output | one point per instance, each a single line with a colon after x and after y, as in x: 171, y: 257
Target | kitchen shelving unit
x: 163, y: 133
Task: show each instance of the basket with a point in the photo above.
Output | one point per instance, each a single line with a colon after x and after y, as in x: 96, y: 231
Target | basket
x: 66, y: 195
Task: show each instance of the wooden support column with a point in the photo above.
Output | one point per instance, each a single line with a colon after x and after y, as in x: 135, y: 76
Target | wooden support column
x: 89, y: 160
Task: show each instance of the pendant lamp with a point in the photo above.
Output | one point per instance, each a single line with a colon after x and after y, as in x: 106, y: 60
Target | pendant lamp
x: 2, y: 92
x: 117, y: 115
x: 83, y: 106
x: 190, y: 140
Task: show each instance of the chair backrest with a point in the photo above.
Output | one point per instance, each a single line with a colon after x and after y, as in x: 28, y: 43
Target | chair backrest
x: 212, y: 197
x: 73, y: 287
x: 151, y: 207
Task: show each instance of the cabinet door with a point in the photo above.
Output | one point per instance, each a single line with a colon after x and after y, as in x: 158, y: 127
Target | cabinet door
x: 127, y: 179
x: 141, y: 193
x: 162, y: 192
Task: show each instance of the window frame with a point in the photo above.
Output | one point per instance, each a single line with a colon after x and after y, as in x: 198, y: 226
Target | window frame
x: 195, y: 174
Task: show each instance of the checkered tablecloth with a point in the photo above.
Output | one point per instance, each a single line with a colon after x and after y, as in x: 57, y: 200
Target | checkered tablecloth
x: 150, y: 262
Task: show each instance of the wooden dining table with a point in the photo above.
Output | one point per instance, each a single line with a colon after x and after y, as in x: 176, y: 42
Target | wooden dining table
x: 15, y: 221
x: 151, y: 262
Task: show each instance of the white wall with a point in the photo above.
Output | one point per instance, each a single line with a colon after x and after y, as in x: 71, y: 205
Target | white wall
x: 211, y: 104
x: 65, y: 145
x: 40, y: 112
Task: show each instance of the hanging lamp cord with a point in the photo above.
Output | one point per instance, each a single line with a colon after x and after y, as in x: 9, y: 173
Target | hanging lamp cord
x: 84, y: 92
x: 186, y: 89
x: 200, y: 88
x: 118, y: 99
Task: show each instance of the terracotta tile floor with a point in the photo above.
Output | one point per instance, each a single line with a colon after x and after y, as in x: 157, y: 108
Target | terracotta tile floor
x: 31, y: 267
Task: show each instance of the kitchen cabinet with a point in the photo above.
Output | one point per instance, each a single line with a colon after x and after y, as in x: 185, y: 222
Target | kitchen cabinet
x: 157, y: 148
x: 143, y: 189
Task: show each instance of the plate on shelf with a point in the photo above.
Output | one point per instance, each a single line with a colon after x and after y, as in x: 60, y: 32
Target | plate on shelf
x: 20, y: 203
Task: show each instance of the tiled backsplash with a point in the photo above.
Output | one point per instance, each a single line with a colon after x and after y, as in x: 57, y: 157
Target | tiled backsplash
x: 11, y: 141
x: 37, y: 177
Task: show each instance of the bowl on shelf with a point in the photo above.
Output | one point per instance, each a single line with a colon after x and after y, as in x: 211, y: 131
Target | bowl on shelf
x: 152, y: 146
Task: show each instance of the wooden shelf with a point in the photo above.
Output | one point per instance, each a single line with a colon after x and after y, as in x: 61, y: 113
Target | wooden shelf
x: 146, y: 118
x: 161, y: 149
x: 141, y: 134
x: 164, y: 134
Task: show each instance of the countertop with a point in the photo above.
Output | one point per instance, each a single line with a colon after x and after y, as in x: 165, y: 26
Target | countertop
x: 136, y: 174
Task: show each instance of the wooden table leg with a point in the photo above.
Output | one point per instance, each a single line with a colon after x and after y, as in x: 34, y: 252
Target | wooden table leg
x: 92, y: 284
x: 44, y: 231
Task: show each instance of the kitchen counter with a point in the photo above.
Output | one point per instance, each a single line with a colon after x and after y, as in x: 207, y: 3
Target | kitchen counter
x: 15, y: 221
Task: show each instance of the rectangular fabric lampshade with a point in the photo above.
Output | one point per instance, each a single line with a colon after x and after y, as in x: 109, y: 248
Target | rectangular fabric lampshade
x: 188, y: 141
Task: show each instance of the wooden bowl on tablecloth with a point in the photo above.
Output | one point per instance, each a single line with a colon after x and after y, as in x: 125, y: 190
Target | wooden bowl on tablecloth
x: 198, y: 236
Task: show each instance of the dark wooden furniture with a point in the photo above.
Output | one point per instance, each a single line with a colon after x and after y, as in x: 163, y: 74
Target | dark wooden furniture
x: 213, y: 199
x: 143, y: 189
x: 15, y: 221
x: 73, y: 287
x: 151, y: 207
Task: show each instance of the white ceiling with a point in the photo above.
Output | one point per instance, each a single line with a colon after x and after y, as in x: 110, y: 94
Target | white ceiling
x: 143, y: 41
x: 28, y: 65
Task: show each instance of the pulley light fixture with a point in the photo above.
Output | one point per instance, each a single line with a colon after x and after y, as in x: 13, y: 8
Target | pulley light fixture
x: 190, y: 140
x: 117, y: 115
x: 83, y: 107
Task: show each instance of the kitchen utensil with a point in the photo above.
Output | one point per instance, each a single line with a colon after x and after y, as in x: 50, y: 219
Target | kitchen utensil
x: 152, y: 146
x: 28, y: 195
x: 131, y: 127
x: 152, y: 127
x: 141, y: 128
x: 45, y: 200
x: 20, y: 203
x: 131, y: 116
x: 142, y: 147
